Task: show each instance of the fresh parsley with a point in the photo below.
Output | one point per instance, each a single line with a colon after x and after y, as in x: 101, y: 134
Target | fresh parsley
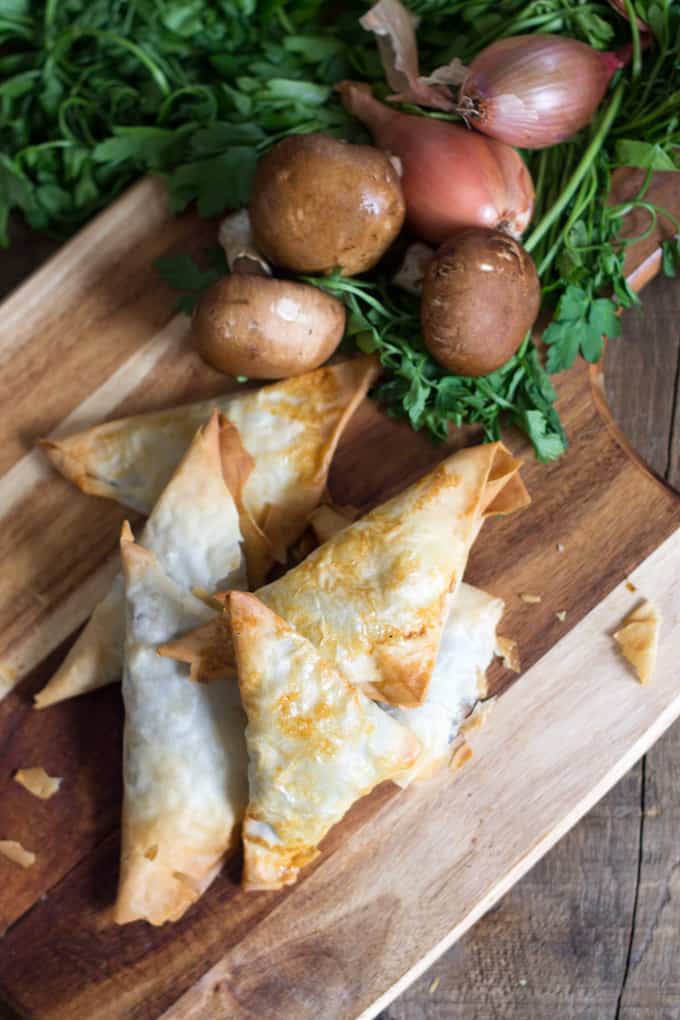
x: 384, y: 320
x: 578, y: 326
x: 580, y: 236
x: 94, y: 93
x: 184, y: 275
x: 671, y: 256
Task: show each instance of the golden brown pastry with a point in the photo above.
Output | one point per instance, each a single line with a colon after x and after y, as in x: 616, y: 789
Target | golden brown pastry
x: 290, y: 430
x: 315, y: 744
x: 374, y: 598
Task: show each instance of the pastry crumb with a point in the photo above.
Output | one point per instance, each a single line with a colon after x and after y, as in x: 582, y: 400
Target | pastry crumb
x: 461, y: 756
x: 638, y: 640
x: 13, y: 851
x: 434, y: 986
x: 561, y: 615
x: 630, y: 586
x: 559, y: 547
x: 530, y: 597
x: 37, y: 782
x: 477, y: 717
x: 508, y: 651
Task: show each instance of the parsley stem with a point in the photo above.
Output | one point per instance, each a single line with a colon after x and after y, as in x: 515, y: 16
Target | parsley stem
x: 635, y: 32
x: 49, y: 15
x: 670, y: 105
x: 549, y: 21
x: 72, y: 36
x: 654, y: 210
x: 184, y: 92
x: 31, y: 150
x: 588, y: 189
x: 579, y: 173
x: 651, y: 81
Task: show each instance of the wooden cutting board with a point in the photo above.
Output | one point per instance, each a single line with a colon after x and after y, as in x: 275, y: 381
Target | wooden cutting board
x: 91, y: 336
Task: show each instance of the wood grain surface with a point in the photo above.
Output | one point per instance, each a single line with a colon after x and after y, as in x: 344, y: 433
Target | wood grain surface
x: 402, y: 877
x: 94, y: 796
x: 592, y: 932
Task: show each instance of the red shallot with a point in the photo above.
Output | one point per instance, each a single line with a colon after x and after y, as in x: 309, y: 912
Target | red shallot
x: 535, y: 90
x: 451, y: 177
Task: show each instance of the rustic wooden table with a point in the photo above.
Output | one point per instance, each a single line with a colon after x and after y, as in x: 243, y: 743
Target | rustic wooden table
x: 593, y: 931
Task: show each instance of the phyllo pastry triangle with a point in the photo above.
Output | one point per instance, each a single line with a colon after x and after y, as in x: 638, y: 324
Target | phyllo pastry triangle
x: 316, y: 744
x: 185, y: 762
x: 458, y: 679
x: 194, y: 531
x: 289, y: 429
x: 374, y: 598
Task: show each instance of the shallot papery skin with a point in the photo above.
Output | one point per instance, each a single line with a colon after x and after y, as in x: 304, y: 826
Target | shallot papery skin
x: 394, y: 28
x: 535, y: 90
x: 451, y: 177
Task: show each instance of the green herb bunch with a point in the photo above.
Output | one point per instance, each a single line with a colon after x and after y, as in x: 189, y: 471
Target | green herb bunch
x: 581, y: 236
x: 95, y: 92
x: 385, y: 319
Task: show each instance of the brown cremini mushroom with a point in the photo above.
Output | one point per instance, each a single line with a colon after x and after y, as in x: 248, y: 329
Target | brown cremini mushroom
x: 262, y: 328
x: 481, y: 294
x: 318, y: 204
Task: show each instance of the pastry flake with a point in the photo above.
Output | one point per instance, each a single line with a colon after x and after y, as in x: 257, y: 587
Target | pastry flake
x: 507, y: 651
x: 9, y: 678
x: 37, y: 782
x: 638, y: 640
x: 13, y: 851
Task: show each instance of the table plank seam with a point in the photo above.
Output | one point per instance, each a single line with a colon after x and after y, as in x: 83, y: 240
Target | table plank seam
x: 669, y: 474
x: 638, y: 877
x: 57, y: 885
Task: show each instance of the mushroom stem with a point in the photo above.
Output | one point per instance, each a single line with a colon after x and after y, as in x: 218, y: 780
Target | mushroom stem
x: 236, y: 238
x: 410, y: 274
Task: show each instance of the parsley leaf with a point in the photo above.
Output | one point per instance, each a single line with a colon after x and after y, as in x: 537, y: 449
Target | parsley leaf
x: 15, y: 192
x: 215, y: 184
x: 603, y: 319
x: 647, y: 155
x: 548, y: 444
x: 183, y: 274
x: 150, y: 147
x: 579, y: 324
x: 671, y: 256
